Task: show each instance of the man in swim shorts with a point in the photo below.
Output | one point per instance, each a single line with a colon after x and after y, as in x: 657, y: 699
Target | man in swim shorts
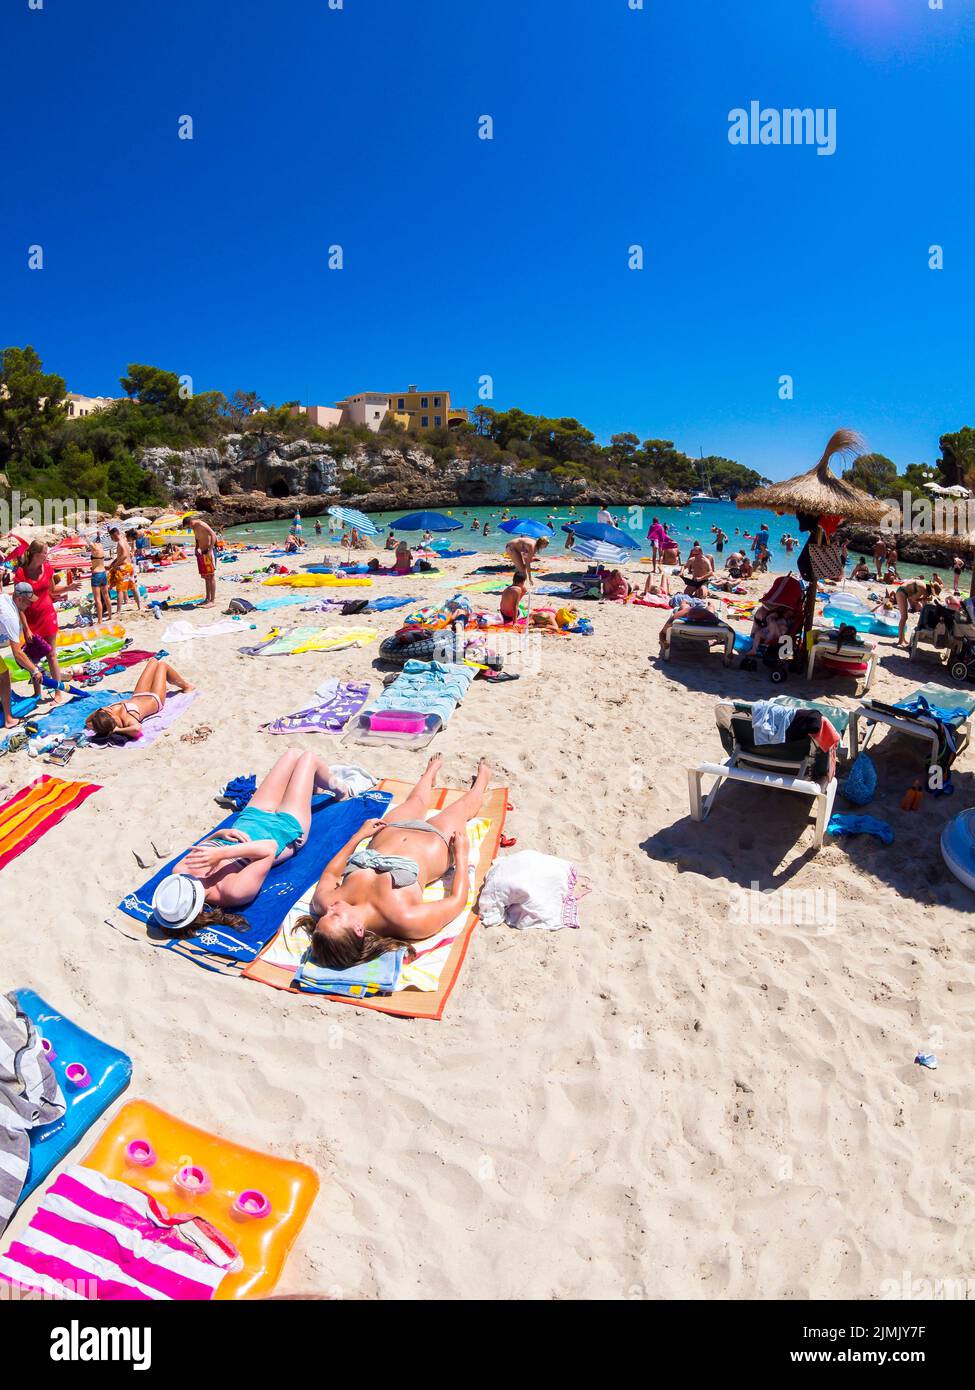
x: 206, y: 539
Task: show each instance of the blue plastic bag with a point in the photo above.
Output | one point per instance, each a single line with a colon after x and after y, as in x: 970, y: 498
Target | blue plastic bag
x: 860, y: 784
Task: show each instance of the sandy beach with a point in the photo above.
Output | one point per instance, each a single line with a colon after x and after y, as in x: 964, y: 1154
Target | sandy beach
x: 667, y: 1103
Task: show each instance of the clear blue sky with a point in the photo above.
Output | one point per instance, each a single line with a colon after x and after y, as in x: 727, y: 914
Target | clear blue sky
x: 465, y: 257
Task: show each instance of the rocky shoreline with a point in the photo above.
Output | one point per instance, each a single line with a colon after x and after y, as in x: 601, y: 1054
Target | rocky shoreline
x: 252, y: 478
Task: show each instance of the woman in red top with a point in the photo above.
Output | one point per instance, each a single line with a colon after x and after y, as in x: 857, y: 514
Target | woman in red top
x: 41, y: 617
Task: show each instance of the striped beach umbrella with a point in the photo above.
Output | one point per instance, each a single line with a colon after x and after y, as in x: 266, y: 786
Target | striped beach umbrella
x: 350, y: 517
x: 600, y: 551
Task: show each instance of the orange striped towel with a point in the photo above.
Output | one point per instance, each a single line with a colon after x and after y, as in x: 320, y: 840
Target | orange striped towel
x: 34, y: 810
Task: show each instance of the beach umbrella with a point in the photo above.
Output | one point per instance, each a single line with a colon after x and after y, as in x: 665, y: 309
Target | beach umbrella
x: 350, y: 517
x: 526, y: 526
x: 425, y: 521
x: 600, y: 551
x: 600, y: 531
x: 137, y: 521
x: 819, y: 493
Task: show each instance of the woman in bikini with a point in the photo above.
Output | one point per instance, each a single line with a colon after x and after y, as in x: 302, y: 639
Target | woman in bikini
x: 369, y: 901
x: 128, y: 716
x: 227, y: 869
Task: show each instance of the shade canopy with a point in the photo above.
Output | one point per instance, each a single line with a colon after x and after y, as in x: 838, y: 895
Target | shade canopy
x: 601, y: 551
x: 819, y: 492
x: 526, y: 526
x: 601, y: 531
x: 350, y: 517
x: 425, y: 521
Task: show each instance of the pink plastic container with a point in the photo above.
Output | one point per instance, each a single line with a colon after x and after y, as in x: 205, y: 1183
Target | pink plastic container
x: 49, y: 1052
x: 397, y: 721
x: 77, y: 1074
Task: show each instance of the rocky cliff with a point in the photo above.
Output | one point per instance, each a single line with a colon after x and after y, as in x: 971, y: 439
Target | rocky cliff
x: 254, y: 477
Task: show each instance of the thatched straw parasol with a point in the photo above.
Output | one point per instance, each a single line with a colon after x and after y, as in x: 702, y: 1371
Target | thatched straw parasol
x: 819, y: 492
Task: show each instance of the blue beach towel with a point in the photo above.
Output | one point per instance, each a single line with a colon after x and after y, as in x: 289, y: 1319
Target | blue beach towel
x: 426, y: 687
x: 843, y: 824
x: 69, y: 720
x: 380, y: 605
x: 377, y: 976
x: 333, y: 824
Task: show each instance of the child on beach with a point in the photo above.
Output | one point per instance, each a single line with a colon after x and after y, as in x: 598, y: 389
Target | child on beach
x: 99, y: 582
x: 121, y: 572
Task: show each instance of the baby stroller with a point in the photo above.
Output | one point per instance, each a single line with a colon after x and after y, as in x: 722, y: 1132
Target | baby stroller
x: 951, y: 632
x: 786, y: 598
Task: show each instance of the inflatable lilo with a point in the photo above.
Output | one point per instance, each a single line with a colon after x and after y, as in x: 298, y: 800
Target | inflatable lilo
x: 258, y: 1202
x: 958, y: 847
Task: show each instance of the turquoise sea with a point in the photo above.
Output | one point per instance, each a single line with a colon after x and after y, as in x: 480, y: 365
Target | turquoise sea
x: 686, y: 524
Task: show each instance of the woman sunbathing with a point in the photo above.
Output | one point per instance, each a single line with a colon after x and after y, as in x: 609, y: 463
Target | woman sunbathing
x: 369, y: 901
x: 228, y: 869
x: 128, y: 716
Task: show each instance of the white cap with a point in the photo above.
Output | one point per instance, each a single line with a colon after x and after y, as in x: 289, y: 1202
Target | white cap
x: 177, y: 901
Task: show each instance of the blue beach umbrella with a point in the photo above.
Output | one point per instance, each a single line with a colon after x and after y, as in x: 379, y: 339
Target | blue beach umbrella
x: 601, y: 531
x: 425, y: 521
x: 350, y: 517
x: 526, y: 526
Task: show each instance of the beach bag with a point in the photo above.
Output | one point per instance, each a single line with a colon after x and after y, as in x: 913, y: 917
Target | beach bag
x: 820, y: 562
x: 240, y: 605
x: 354, y: 605
x: 860, y: 785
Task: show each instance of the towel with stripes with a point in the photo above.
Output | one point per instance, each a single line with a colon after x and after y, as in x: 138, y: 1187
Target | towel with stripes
x: 95, y: 1238
x: 35, y: 810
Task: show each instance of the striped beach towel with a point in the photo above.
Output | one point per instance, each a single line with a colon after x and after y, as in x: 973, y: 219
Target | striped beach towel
x: 34, y: 810
x: 93, y: 1237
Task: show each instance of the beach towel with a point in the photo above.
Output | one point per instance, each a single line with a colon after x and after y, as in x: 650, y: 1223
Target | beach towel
x: 266, y: 605
x: 184, y: 631
x: 112, y: 1241
x: 332, y: 824
x: 35, y: 810
x: 23, y: 705
x: 426, y: 983
x: 293, y: 641
x: 67, y: 721
x: 177, y: 703
x: 387, y: 601
x: 377, y: 976
x: 328, y: 717
x: 426, y: 687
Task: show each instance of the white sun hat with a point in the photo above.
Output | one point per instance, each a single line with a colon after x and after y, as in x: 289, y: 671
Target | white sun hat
x: 177, y: 901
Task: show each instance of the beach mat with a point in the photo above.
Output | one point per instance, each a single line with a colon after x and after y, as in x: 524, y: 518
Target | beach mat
x: 410, y: 1003
x: 35, y: 810
x: 177, y: 703
x: 332, y: 824
x: 69, y: 719
x: 110, y: 1071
